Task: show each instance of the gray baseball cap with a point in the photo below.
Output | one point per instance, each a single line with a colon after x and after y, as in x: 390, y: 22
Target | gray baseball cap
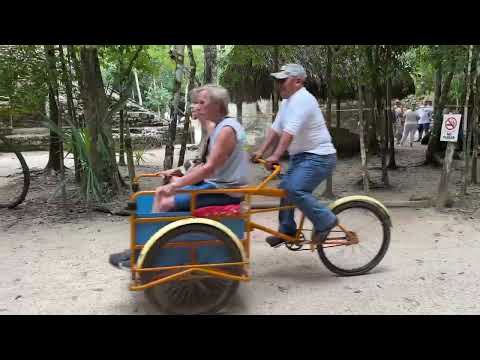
x: 290, y: 70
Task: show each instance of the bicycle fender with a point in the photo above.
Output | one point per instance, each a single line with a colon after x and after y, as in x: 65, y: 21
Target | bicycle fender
x: 176, y: 224
x: 362, y: 198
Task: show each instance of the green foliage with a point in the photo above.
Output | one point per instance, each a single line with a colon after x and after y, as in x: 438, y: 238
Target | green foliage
x: 140, y: 155
x: 115, y: 61
x: 153, y: 62
x: 80, y: 141
x: 158, y: 99
x: 425, y: 59
x: 23, y: 78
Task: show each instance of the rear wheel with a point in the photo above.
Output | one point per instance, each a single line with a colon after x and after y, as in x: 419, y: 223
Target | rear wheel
x: 200, y: 293
x: 369, y: 228
x: 13, y: 184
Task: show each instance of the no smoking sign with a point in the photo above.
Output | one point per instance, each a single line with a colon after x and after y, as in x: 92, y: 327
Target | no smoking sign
x: 450, y: 126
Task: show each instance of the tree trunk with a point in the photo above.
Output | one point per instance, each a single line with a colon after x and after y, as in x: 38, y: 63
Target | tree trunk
x: 98, y: 120
x: 137, y: 84
x: 178, y: 51
x: 467, y: 134
x: 380, y: 112
x: 371, y: 63
x: 338, y: 106
x: 94, y: 101
x: 363, y: 152
x: 275, y: 95
x: 73, y: 59
x: 55, y: 149
x: 185, y: 137
x: 210, y: 58
x: 476, y: 114
x: 129, y: 151
x: 442, y: 198
x: 390, y: 118
x: 121, y: 139
x: 240, y: 112
x: 67, y: 83
x: 328, y: 193
x: 329, y: 87
x: 188, y: 109
x: 441, y: 94
x: 475, y: 145
x: 371, y: 126
x: 258, y: 109
x: 155, y: 90
x: 384, y: 145
x: 210, y: 70
x: 392, y: 164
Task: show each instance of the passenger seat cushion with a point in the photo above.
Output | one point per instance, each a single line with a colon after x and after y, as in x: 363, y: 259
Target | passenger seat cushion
x: 224, y: 210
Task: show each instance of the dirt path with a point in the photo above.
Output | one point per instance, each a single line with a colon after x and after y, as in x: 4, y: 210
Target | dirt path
x: 431, y: 268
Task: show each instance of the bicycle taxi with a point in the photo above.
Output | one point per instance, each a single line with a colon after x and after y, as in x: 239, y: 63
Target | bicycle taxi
x: 193, y: 262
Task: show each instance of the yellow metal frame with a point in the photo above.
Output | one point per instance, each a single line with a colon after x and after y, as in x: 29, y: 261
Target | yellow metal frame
x: 243, y: 244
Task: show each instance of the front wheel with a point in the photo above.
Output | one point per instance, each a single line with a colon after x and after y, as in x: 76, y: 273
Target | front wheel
x: 369, y: 228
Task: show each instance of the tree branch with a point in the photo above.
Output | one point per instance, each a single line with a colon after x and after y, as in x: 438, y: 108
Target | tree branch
x: 123, y: 95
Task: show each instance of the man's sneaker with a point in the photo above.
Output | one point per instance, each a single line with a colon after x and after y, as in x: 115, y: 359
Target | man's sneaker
x: 275, y: 241
x: 120, y: 260
x: 320, y: 236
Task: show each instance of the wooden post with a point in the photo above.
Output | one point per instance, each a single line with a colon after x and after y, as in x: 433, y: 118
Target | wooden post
x: 447, y: 168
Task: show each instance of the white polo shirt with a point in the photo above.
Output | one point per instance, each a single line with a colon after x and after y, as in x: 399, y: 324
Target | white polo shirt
x: 300, y: 116
x: 425, y: 114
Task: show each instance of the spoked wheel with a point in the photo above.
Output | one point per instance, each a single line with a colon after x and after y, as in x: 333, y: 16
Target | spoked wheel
x: 360, y: 243
x: 198, y: 293
x: 13, y: 186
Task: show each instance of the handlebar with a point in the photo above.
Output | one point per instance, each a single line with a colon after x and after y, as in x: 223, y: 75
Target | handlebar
x: 276, y: 170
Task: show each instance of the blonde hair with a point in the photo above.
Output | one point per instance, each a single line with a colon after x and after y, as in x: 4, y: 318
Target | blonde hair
x: 217, y: 94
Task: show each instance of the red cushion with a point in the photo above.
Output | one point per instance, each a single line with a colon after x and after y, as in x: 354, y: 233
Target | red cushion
x: 225, y: 210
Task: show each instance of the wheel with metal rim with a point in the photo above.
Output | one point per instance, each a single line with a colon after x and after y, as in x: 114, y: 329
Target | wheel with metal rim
x: 360, y: 243
x: 199, y: 293
x: 14, y: 191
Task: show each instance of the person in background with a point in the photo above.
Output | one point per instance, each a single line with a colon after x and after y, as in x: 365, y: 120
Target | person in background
x: 425, y: 114
x: 410, y: 126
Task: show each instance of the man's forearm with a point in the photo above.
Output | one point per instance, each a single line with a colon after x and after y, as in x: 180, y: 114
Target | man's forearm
x: 285, y: 141
x: 271, y: 137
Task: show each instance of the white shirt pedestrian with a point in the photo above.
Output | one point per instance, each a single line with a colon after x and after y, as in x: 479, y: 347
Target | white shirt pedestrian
x: 410, y: 128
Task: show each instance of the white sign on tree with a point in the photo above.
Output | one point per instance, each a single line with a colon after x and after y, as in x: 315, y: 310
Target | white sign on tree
x: 450, y: 126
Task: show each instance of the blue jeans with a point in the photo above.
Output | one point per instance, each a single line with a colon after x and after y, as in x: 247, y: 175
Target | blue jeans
x: 182, y: 200
x: 305, y: 172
